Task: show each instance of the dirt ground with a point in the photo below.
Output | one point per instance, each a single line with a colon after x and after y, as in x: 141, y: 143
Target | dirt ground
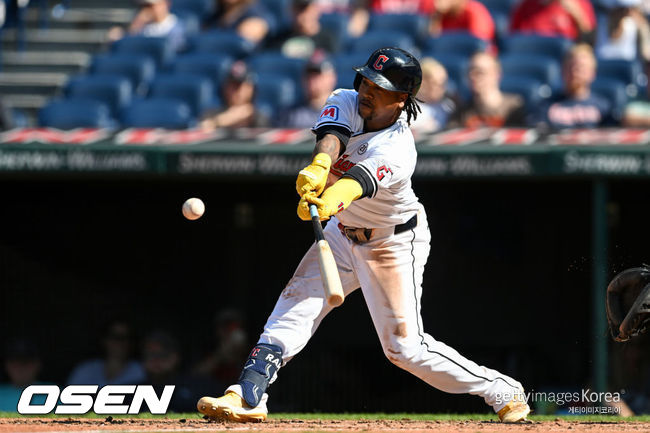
x: 276, y: 426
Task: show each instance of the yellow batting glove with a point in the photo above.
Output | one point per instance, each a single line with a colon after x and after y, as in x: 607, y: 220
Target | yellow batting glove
x: 335, y: 199
x: 303, y: 208
x: 325, y: 208
x: 312, y: 179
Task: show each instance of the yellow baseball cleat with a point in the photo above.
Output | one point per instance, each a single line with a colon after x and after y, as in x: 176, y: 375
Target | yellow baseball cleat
x: 231, y: 407
x: 515, y: 411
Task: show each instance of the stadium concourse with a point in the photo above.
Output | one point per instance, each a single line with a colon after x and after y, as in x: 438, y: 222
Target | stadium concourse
x: 93, y: 63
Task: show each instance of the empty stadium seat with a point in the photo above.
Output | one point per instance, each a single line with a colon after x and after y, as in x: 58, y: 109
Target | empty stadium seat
x: 614, y: 91
x: 75, y: 113
x: 159, y: 49
x: 281, y: 12
x: 274, y: 64
x: 137, y: 68
x: 458, y: 43
x: 375, y: 39
x: 628, y: 72
x: 190, y: 20
x: 197, y: 92
x: 202, y: 8
x: 533, y: 91
x: 114, y: 91
x: 215, y: 68
x: 521, y: 43
x: 222, y: 42
x: 336, y: 27
x: 343, y: 63
x: 274, y: 93
x: 158, y: 113
x: 414, y: 25
x: 541, y: 68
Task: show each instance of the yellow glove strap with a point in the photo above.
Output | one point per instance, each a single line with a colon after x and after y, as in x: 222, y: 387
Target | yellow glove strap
x: 342, y: 193
x: 322, y: 160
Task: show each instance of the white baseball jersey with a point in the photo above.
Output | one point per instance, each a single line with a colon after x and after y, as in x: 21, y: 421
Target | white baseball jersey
x: 387, y: 156
x: 388, y: 267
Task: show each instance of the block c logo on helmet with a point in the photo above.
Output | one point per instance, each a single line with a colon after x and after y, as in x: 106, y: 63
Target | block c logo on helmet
x: 80, y: 399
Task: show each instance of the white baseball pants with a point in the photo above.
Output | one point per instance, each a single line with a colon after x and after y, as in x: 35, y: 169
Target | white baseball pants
x: 389, y: 270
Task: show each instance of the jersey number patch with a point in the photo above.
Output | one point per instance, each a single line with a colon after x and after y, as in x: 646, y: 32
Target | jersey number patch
x: 383, y: 171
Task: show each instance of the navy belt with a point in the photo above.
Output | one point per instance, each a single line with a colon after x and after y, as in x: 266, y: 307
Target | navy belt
x: 362, y: 235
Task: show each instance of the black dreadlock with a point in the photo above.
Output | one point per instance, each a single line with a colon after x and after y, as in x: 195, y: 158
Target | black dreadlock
x: 412, y: 108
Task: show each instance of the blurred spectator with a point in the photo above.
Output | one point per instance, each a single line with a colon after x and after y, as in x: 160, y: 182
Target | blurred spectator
x: 117, y: 367
x: 154, y: 19
x: 626, y: 34
x: 305, y: 35
x: 231, y: 349
x: 437, y: 105
x: 23, y: 365
x: 577, y: 107
x: 239, y: 109
x: 319, y: 82
x: 462, y: 15
x: 248, y: 18
x: 161, y: 357
x: 566, y: 18
x: 637, y: 112
x: 488, y: 106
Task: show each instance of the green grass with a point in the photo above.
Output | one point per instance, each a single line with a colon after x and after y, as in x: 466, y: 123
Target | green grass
x: 363, y: 416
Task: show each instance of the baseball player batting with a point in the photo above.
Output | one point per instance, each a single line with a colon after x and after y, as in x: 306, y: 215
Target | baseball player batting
x: 378, y: 233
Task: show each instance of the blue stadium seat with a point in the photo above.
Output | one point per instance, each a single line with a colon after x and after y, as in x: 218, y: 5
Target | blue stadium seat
x: 501, y: 24
x: 215, y: 68
x: 276, y: 64
x: 159, y: 49
x: 222, y: 42
x: 343, y: 63
x: 414, y: 25
x: 336, y: 26
x: 197, y: 92
x: 75, y: 113
x: 281, y: 12
x: 505, y: 6
x: 458, y: 43
x: 533, y: 91
x: 158, y: 113
x: 541, y: 68
x: 274, y: 93
x: 628, y: 72
x: 191, y: 21
x: 139, y: 69
x: 520, y: 43
x: 614, y: 91
x: 372, y: 40
x: 202, y: 8
x: 114, y: 91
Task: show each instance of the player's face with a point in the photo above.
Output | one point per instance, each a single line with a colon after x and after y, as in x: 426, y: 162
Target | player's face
x: 377, y: 106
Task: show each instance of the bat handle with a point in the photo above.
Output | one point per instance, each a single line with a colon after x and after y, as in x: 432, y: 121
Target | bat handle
x: 313, y: 211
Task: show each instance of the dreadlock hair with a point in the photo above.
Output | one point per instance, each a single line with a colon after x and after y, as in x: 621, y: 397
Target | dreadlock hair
x: 412, y: 108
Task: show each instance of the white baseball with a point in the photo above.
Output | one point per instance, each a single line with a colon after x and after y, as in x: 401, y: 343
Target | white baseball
x: 193, y: 208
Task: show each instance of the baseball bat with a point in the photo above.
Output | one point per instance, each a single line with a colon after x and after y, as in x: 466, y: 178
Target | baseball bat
x: 328, y: 271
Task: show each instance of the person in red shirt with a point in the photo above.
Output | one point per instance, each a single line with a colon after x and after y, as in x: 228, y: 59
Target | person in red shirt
x: 462, y: 15
x: 567, y: 18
